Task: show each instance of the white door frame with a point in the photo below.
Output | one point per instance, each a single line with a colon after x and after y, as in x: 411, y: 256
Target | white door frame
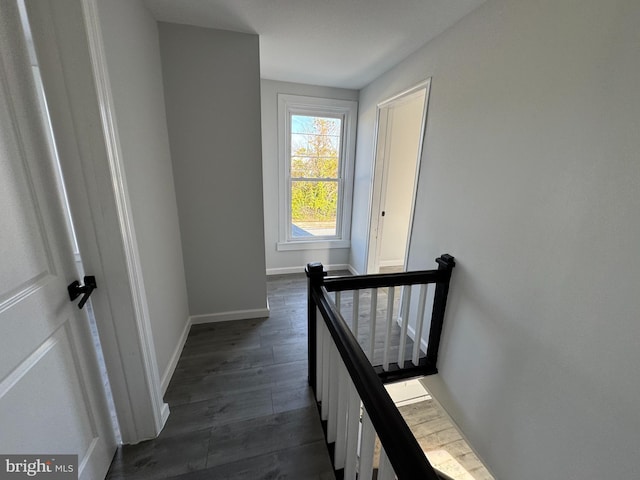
x: 381, y: 165
x: 69, y: 44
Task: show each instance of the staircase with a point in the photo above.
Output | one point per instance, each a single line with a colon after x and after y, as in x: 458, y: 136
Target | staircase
x: 365, y: 331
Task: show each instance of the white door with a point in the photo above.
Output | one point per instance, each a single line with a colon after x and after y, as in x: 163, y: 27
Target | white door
x: 401, y: 123
x: 51, y: 397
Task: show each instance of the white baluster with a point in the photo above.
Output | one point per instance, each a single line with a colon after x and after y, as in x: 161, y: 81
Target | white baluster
x: 367, y: 448
x: 353, y: 429
x: 333, y: 393
x: 326, y: 342
x: 387, y: 344
x: 356, y: 312
x: 372, y: 322
x: 385, y: 470
x: 415, y: 358
x: 406, y: 305
x: 319, y: 334
x: 341, y: 425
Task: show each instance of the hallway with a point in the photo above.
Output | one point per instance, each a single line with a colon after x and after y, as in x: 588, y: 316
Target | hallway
x: 240, y: 404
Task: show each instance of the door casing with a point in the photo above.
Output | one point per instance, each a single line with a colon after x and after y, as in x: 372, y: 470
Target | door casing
x: 381, y: 166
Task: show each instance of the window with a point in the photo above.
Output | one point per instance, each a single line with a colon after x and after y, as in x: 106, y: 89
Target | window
x: 316, y: 149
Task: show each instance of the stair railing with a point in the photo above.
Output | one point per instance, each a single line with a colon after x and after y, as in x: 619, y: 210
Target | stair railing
x: 350, y: 392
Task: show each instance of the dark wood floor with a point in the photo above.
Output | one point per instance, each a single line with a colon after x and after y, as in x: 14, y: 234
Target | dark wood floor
x: 240, y: 404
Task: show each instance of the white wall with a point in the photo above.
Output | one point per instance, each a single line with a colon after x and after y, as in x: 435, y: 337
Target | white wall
x: 531, y: 179
x: 287, y: 261
x: 212, y: 95
x: 133, y: 60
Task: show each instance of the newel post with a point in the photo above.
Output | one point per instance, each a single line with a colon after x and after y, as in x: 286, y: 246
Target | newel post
x: 315, y: 275
x: 445, y: 263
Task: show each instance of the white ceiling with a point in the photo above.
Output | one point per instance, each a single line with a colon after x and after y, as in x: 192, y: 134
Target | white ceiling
x: 340, y: 43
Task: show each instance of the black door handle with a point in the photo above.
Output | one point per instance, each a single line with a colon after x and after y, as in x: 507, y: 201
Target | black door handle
x: 75, y: 289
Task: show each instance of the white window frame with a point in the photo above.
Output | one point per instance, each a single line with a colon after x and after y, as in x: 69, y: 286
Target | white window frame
x: 347, y: 110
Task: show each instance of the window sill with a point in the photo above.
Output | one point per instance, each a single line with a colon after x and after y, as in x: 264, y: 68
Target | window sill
x: 312, y: 245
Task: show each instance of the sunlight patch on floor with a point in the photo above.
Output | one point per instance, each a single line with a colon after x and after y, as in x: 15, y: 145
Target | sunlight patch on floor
x: 407, y: 392
x: 445, y: 463
x: 436, y: 433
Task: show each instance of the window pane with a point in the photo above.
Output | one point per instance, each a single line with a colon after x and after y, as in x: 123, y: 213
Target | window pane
x: 303, y: 166
x: 314, y: 208
x: 315, y: 146
x: 309, y: 124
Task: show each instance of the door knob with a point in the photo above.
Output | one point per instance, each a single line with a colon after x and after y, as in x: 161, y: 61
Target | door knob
x: 75, y: 289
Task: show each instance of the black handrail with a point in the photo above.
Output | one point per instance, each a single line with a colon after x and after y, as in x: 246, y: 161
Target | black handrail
x: 440, y: 277
x: 382, y: 280
x: 404, y: 452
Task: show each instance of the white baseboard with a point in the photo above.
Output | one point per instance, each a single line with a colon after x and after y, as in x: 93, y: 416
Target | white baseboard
x: 173, y: 362
x: 411, y: 331
x: 352, y: 270
x: 164, y: 414
x: 285, y: 270
x: 227, y: 316
x: 301, y: 269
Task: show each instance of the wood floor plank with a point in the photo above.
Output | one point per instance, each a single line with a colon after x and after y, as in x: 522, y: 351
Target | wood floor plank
x: 220, y: 410
x: 306, y: 462
x: 266, y: 434
x: 290, y: 353
x: 434, y: 431
x: 292, y: 399
x: 216, y: 360
x: 162, y: 457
